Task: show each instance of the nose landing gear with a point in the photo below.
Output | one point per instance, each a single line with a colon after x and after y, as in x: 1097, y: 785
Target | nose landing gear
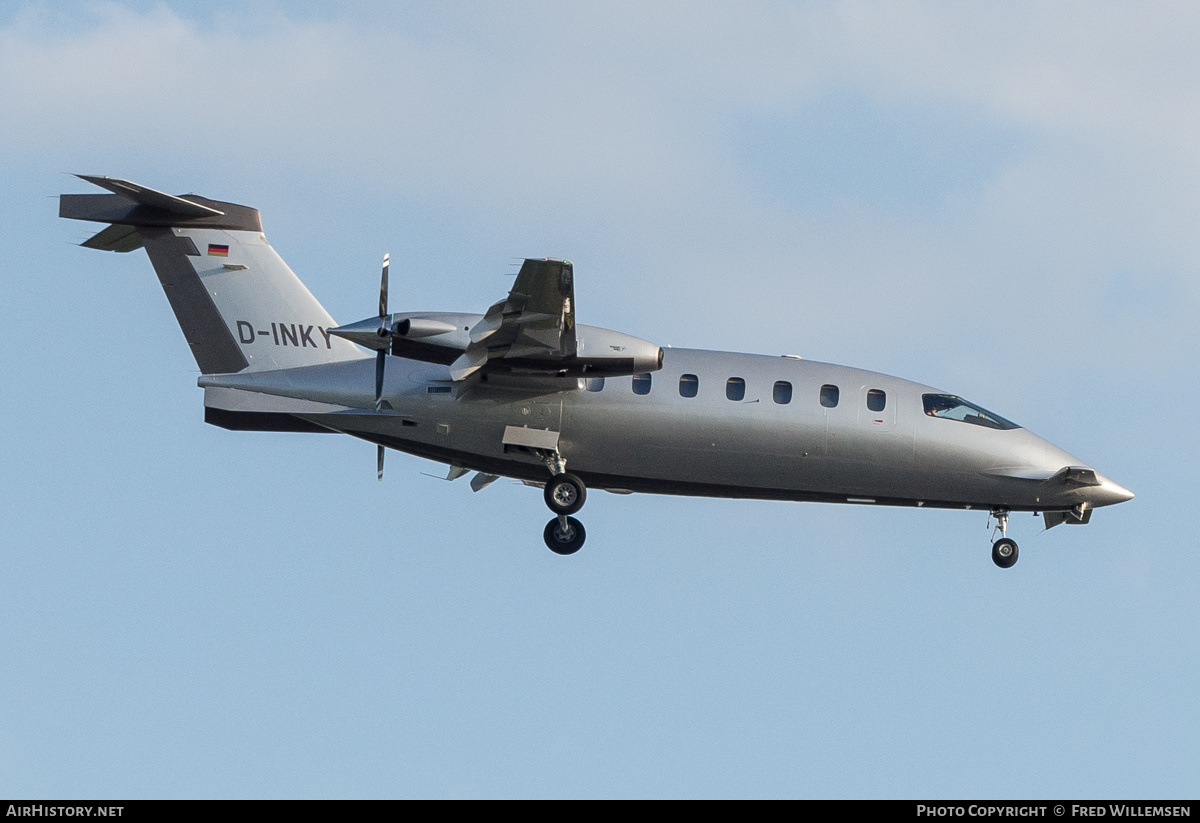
x: 1004, y: 550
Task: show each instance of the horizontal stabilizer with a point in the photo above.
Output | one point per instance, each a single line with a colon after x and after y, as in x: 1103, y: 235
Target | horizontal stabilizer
x: 150, y: 197
x: 134, y: 205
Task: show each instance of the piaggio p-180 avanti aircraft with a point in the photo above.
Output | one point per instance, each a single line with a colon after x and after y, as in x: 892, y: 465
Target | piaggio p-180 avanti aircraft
x: 522, y: 391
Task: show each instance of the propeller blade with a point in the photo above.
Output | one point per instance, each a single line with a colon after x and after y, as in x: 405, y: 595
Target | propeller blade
x: 384, y: 331
x: 383, y: 301
x: 380, y: 359
x: 381, y: 356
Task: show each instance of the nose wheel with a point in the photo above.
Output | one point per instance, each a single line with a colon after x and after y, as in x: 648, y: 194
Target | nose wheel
x: 1004, y: 550
x: 1004, y: 553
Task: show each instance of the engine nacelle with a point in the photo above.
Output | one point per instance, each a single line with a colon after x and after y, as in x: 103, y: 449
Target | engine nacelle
x: 415, y: 328
x: 603, y: 352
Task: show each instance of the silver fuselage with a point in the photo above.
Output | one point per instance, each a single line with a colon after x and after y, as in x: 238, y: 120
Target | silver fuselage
x: 706, y: 444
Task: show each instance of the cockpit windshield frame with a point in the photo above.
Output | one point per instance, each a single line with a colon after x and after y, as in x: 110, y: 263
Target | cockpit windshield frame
x: 953, y: 407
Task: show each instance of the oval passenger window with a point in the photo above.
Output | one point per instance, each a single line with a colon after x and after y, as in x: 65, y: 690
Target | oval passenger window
x: 735, y: 388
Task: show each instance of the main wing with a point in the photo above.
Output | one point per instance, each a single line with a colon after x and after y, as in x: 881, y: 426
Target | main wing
x: 534, y: 324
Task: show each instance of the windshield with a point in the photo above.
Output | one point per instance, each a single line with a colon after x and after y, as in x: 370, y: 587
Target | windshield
x: 955, y: 408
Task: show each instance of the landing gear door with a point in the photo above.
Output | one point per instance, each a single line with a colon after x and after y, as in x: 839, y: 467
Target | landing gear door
x: 534, y: 431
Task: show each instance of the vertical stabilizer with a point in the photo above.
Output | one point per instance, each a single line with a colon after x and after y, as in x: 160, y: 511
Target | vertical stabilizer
x: 238, y: 303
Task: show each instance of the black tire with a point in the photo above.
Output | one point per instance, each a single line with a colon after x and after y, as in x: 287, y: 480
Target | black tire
x: 564, y: 543
x: 565, y: 494
x: 1004, y: 553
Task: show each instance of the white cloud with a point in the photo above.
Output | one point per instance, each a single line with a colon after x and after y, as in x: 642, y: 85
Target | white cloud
x: 614, y: 123
x: 582, y: 95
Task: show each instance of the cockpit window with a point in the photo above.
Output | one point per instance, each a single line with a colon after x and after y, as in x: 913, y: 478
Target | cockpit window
x: 955, y: 408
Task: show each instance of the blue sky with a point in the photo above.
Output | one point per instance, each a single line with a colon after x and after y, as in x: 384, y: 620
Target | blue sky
x: 190, y: 612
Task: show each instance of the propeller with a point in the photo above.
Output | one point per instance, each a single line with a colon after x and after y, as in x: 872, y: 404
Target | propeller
x: 385, y: 330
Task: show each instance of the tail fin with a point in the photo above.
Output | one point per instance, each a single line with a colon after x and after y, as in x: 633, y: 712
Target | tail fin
x: 240, y: 307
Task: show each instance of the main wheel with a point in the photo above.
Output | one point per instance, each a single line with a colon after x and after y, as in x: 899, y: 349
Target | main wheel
x: 565, y: 494
x: 564, y: 542
x: 1004, y: 552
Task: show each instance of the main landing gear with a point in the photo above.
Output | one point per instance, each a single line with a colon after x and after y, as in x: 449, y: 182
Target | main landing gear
x: 1004, y: 550
x: 565, y: 494
x: 564, y: 535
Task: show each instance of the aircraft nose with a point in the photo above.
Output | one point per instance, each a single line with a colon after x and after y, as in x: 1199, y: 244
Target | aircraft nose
x: 1108, y: 493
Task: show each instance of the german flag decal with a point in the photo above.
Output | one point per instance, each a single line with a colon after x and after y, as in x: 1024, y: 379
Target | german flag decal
x: 218, y: 251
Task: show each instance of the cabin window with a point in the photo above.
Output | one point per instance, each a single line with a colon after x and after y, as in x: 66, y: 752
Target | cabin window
x: 641, y: 383
x: 594, y: 383
x: 735, y: 388
x: 782, y: 393
x: 829, y: 396
x: 876, y: 400
x: 689, y: 384
x: 949, y: 407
